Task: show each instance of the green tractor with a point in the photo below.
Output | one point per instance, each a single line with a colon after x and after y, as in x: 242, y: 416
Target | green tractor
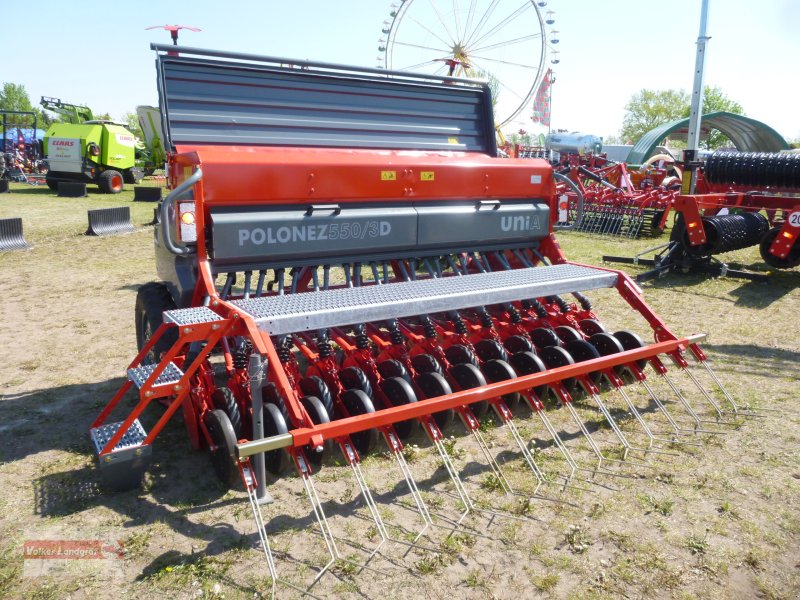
x: 88, y: 150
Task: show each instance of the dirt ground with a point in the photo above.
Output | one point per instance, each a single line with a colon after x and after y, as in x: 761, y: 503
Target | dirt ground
x: 716, y: 517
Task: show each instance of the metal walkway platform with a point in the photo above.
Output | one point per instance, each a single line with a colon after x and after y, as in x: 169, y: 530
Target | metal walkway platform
x: 279, y: 315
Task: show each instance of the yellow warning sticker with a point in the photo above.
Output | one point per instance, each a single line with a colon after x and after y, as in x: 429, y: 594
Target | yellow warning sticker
x: 427, y: 175
x: 187, y: 172
x: 388, y: 175
x: 452, y: 140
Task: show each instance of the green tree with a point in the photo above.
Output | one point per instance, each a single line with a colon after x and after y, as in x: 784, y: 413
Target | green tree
x: 14, y: 97
x: 131, y: 120
x: 647, y: 109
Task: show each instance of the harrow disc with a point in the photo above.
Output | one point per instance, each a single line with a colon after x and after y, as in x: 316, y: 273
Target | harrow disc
x: 319, y: 415
x: 518, y: 343
x: 631, y: 341
x: 425, y: 363
x: 399, y: 392
x: 353, y: 378
x: 468, y: 376
x: 554, y: 357
x: 315, y: 386
x: 490, y: 350
x: 499, y: 370
x: 458, y: 354
x: 277, y: 461
x: 433, y: 385
x: 591, y: 326
x: 544, y: 338
x: 223, y: 452
x: 581, y: 351
x: 527, y: 363
x: 789, y: 262
x: 357, y: 402
x: 393, y: 368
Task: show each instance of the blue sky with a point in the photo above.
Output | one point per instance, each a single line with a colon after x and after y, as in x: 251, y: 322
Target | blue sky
x: 609, y: 49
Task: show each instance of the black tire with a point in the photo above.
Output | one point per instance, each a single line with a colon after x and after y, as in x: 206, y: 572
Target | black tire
x: 425, y: 363
x: 776, y: 262
x: 499, y: 370
x: 110, y: 182
x: 592, y: 326
x: 544, y: 337
x: 353, y: 378
x: 319, y: 414
x: 51, y: 182
x: 223, y: 400
x: 458, y: 354
x: 518, y: 343
x: 399, y: 393
x: 271, y: 395
x: 316, y: 386
x: 276, y: 462
x: 581, y: 351
x: 152, y: 300
x: 568, y: 334
x: 554, y: 357
x: 358, y: 403
x: 434, y: 385
x: 490, y: 350
x: 393, y: 368
x: 527, y: 363
x: 223, y: 453
x: 631, y: 341
x: 468, y: 376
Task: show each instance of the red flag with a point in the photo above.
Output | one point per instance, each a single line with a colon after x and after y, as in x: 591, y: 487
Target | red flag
x: 541, y: 103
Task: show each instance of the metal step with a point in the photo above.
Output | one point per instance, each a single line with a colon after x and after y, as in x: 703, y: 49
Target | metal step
x: 191, y: 316
x: 171, y: 374
x: 133, y: 437
x: 279, y: 315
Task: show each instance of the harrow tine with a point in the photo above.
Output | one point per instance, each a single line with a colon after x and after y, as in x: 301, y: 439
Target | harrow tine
x: 685, y: 403
x: 505, y: 417
x: 250, y: 487
x: 706, y: 395
x: 661, y: 407
x: 472, y: 425
x: 436, y: 439
x: 651, y: 439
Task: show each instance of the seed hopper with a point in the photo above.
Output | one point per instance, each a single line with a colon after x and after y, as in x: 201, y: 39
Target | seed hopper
x: 346, y: 265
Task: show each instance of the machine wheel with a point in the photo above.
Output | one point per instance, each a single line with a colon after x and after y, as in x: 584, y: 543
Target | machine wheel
x: 433, y: 385
x: 518, y: 343
x: 499, y: 370
x: 52, y: 182
x: 223, y: 452
x: 581, y: 351
x: 223, y: 400
x: 606, y: 344
x: 776, y: 262
x: 110, y: 182
x: 277, y: 462
x: 152, y: 300
x: 393, y: 368
x: 425, y: 363
x: 631, y: 341
x: 527, y: 363
x: 554, y: 357
x: 319, y: 415
x: 355, y: 378
x: 568, y: 334
x: 468, y: 376
x: 543, y: 337
x: 316, y: 386
x: 591, y: 326
x: 399, y: 392
x: 458, y: 354
x: 490, y: 350
x: 358, y: 403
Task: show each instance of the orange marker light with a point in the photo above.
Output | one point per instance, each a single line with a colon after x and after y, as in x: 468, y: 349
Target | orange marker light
x: 187, y: 218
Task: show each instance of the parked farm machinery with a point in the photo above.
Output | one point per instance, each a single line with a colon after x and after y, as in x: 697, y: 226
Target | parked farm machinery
x: 738, y: 198
x: 347, y: 266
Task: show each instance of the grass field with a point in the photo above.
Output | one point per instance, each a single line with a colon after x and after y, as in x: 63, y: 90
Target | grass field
x: 716, y: 520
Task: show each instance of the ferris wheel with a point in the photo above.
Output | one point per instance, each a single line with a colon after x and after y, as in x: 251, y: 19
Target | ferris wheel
x: 502, y: 41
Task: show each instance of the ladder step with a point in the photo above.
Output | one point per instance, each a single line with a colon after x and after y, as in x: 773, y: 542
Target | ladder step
x: 191, y: 316
x: 133, y: 437
x: 171, y: 374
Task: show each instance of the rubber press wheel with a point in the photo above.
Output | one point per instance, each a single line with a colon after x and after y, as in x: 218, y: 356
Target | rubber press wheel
x: 319, y: 415
x: 490, y: 350
x: 152, y: 299
x: 315, y: 386
x: 399, y: 392
x: 631, y: 341
x: 353, y: 378
x: 425, y: 363
x: 568, y: 334
x: 543, y: 337
x: 555, y: 357
x: 223, y: 400
x: 527, y: 363
x: 591, y: 326
x: 499, y: 370
x: 468, y: 376
x: 434, y: 385
x: 358, y: 403
x: 518, y: 343
x: 277, y: 462
x: 223, y: 451
x: 393, y: 368
x: 581, y: 351
x: 458, y: 354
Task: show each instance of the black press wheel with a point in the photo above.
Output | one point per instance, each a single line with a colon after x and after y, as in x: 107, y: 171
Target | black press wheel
x: 223, y: 450
x: 776, y: 262
x: 591, y: 326
x: 458, y: 354
x: 468, y: 376
x: 568, y: 334
x: 490, y: 350
x: 434, y: 385
x: 315, y: 386
x: 518, y: 343
x: 319, y: 415
x: 499, y: 370
x: 393, y: 368
x: 631, y: 341
x: 110, y: 182
x: 223, y: 400
x: 425, y: 363
x: 152, y: 300
x: 358, y: 403
x: 554, y: 357
x: 277, y: 462
x: 581, y: 351
x: 527, y: 363
x: 353, y: 378
x: 544, y: 337
x: 399, y: 393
